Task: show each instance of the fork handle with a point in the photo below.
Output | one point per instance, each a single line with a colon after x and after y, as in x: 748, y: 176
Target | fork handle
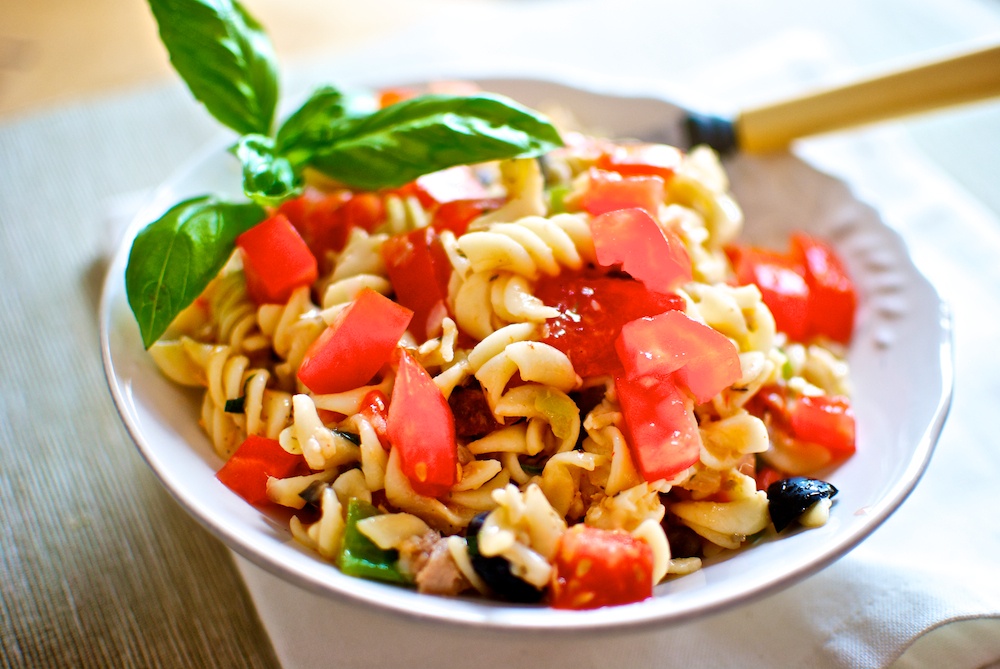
x: 966, y: 77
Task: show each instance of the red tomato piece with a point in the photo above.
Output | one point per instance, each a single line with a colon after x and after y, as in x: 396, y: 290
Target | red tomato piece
x: 765, y: 476
x: 609, y: 191
x: 457, y: 214
x: 701, y: 359
x: 826, y: 421
x: 356, y: 345
x: 422, y: 429
x: 595, y: 568
x: 257, y: 458
x: 453, y: 183
x: 390, y: 96
x: 633, y: 239
x: 660, y: 426
x: 832, y: 297
x: 782, y: 286
x: 325, y: 220
x: 375, y: 409
x: 276, y: 260
x: 629, y: 160
x: 593, y: 308
x: 419, y: 271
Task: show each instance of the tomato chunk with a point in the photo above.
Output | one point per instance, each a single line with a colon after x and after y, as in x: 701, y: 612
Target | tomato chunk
x: 247, y: 470
x: 633, y: 239
x: 422, y: 429
x: 325, y: 220
x: 593, y: 307
x: 827, y: 421
x: 658, y: 160
x: 609, y: 191
x: 782, y: 286
x: 419, y: 271
x: 356, y: 345
x: 447, y: 185
x: 276, y: 260
x: 832, y: 297
x: 703, y: 360
x: 660, y: 426
x: 457, y: 214
x: 595, y: 568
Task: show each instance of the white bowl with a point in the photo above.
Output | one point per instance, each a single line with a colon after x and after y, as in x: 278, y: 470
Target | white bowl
x: 900, y: 360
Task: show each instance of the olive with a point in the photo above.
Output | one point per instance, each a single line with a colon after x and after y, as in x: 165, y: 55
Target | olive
x: 789, y: 498
x: 684, y: 542
x: 496, y: 572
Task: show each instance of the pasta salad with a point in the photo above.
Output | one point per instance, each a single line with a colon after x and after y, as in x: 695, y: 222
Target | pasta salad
x: 472, y: 353
x: 555, y: 379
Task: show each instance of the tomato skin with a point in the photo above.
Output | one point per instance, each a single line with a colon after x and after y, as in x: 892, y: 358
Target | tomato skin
x: 782, y: 286
x: 422, y: 429
x: 419, y: 271
x: 356, y: 345
x: 276, y: 260
x: 247, y: 470
x: 595, y: 568
x: 833, y: 299
x: 593, y: 308
x: 452, y: 183
x: 609, y: 191
x: 701, y: 359
x: 633, y: 239
x: 658, y: 160
x: 660, y: 426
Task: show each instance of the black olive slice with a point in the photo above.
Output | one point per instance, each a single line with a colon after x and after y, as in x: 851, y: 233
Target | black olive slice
x: 789, y: 498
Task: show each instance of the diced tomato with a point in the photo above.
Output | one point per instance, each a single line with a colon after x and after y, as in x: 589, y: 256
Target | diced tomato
x: 375, y: 409
x: 595, y: 567
x: 356, y: 345
x: 257, y: 458
x: 419, y: 271
x: 832, y: 298
x: 660, y: 426
x: 276, y: 260
x: 633, y: 239
x: 325, y: 220
x: 457, y: 214
x: 631, y: 160
x: 782, y: 286
x: 824, y: 421
x: 593, y: 307
x: 703, y: 360
x: 609, y: 191
x: 422, y: 429
x: 827, y: 421
x: 447, y: 185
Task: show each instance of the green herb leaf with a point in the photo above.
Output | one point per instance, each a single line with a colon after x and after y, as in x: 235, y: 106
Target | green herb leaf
x: 225, y: 58
x: 310, y: 124
x: 268, y: 179
x: 174, y: 258
x: 425, y: 134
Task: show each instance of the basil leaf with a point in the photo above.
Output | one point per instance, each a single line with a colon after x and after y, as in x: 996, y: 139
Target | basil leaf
x: 174, y: 258
x: 399, y: 143
x: 225, y: 58
x: 310, y: 125
x: 268, y: 179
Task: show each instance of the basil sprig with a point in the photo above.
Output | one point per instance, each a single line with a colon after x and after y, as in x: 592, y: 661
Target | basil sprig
x: 174, y: 258
x: 395, y: 145
x: 225, y: 58
x: 227, y: 61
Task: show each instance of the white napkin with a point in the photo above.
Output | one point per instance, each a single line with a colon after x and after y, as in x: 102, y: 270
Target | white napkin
x: 932, y: 563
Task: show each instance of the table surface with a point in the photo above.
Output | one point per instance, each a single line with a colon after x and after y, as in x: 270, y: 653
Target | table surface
x: 98, y: 565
